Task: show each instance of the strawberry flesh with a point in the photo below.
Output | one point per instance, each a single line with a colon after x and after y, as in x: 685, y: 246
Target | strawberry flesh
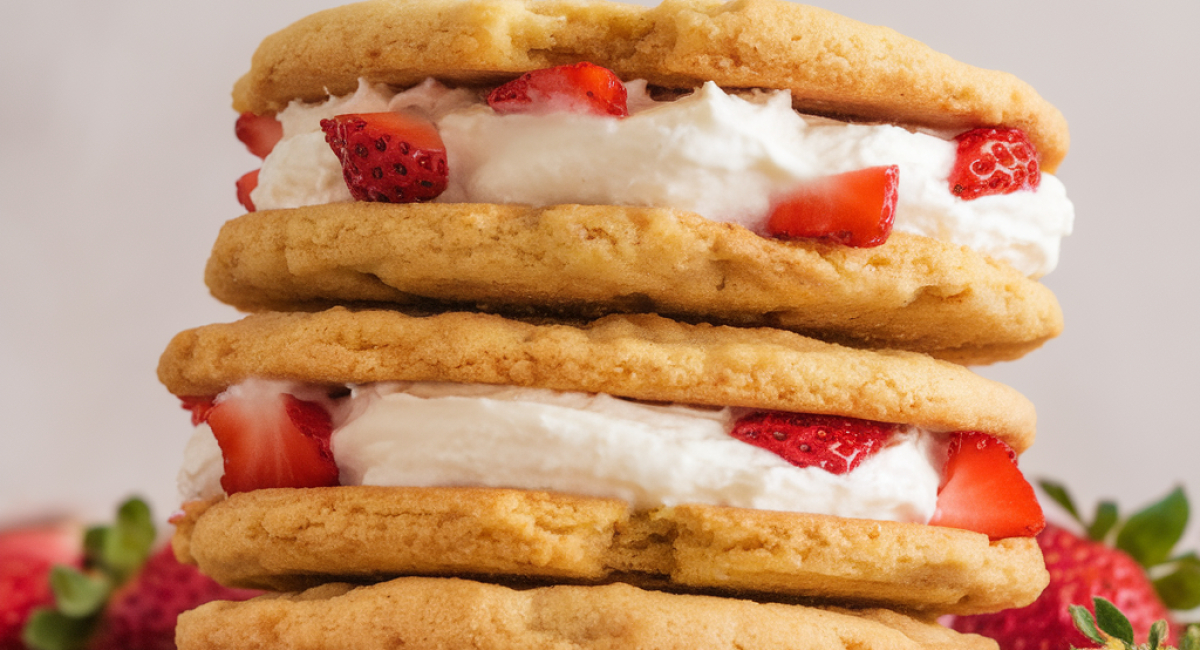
x: 1080, y: 570
x: 388, y: 157
x: 853, y: 208
x: 579, y: 88
x: 26, y: 557
x: 833, y: 443
x: 272, y: 440
x: 246, y: 185
x: 260, y: 133
x: 994, y: 161
x: 982, y: 490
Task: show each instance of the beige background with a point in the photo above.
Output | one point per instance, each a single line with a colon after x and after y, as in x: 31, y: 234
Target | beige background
x: 118, y: 160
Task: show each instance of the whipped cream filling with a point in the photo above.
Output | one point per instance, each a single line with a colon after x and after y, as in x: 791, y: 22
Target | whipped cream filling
x: 436, y: 434
x: 723, y: 156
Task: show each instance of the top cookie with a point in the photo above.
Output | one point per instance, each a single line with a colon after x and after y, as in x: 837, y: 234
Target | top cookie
x: 832, y: 65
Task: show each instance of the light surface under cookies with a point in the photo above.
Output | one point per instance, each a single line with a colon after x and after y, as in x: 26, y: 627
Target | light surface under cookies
x: 912, y: 293
x: 289, y: 539
x: 432, y: 613
x: 832, y: 65
x: 641, y: 356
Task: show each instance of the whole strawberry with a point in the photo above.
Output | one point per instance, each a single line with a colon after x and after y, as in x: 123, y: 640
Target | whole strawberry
x: 1084, y: 567
x: 123, y: 597
x: 27, y: 554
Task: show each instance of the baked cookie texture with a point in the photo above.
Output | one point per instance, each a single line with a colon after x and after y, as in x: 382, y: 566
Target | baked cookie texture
x: 432, y: 613
x: 832, y: 65
x: 912, y: 293
x: 639, y: 356
x: 289, y: 539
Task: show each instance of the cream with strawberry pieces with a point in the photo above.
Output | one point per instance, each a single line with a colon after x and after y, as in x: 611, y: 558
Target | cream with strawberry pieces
x: 728, y: 157
x: 258, y: 434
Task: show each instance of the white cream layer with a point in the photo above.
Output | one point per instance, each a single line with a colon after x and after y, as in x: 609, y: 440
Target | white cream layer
x: 722, y: 156
x: 431, y: 434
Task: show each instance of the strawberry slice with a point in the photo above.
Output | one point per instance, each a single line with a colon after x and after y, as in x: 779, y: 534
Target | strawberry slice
x: 994, y: 161
x: 26, y: 557
x: 982, y: 490
x: 854, y: 208
x: 246, y: 185
x: 580, y: 88
x: 833, y: 443
x: 272, y: 439
x: 259, y: 133
x: 388, y: 157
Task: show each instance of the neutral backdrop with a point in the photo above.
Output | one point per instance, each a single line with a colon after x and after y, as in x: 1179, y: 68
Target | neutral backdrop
x: 118, y: 161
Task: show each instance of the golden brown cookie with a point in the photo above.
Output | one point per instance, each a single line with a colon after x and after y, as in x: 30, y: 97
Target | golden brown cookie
x: 637, y: 356
x: 286, y: 539
x: 831, y: 64
x: 441, y: 614
x: 912, y: 293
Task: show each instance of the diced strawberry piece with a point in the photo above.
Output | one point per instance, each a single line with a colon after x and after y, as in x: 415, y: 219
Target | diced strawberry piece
x: 246, y: 185
x: 982, y: 490
x: 580, y: 88
x: 994, y: 161
x: 389, y: 157
x: 854, y: 208
x: 260, y: 133
x: 199, y: 406
x: 833, y: 443
x: 26, y: 557
x: 271, y: 439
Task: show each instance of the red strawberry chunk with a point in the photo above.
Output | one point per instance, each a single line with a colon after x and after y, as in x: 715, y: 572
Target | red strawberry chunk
x: 835, y: 444
x: 26, y: 557
x: 982, y: 489
x: 260, y: 133
x: 270, y: 439
x: 246, y: 185
x: 994, y: 161
x: 854, y: 208
x: 580, y: 88
x: 389, y: 157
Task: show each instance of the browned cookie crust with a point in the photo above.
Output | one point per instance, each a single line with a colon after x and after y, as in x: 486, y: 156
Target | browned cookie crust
x: 912, y: 293
x: 291, y: 539
x: 642, y: 357
x: 445, y: 614
x: 831, y: 64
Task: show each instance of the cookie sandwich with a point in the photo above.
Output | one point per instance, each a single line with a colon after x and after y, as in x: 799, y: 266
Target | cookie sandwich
x: 736, y: 464
x: 698, y: 178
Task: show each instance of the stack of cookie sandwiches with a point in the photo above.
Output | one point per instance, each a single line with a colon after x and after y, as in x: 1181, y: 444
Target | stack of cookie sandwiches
x: 577, y: 324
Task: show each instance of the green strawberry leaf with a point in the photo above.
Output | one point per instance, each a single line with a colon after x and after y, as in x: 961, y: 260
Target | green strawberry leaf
x: 1058, y: 493
x: 1158, y: 632
x: 1106, y: 518
x: 1150, y: 534
x: 1085, y: 623
x: 77, y: 594
x: 127, y: 543
x: 1180, y: 589
x: 1112, y: 622
x: 47, y: 629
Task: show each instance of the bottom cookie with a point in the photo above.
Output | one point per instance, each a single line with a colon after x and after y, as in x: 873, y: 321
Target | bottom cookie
x: 448, y: 613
